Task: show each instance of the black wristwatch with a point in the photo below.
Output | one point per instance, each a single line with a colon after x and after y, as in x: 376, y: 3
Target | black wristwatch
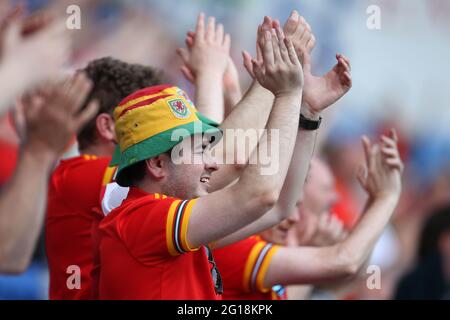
x: 308, y: 124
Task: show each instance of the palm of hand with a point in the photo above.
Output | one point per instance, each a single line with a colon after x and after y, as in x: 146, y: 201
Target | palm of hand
x: 321, y: 92
x: 207, y: 58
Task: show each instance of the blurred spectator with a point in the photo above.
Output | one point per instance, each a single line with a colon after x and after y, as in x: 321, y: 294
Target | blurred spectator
x: 430, y: 277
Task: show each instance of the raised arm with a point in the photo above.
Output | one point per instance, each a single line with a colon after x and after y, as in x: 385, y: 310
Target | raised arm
x: 382, y: 181
x: 52, y: 118
x: 321, y: 93
x: 252, y: 112
x: 205, y: 61
x: 232, y: 92
x: 223, y: 212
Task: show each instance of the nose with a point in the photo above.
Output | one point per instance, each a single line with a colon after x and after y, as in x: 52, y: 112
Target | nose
x: 293, y: 218
x: 210, y: 162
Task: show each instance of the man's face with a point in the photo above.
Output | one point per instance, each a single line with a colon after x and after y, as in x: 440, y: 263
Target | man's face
x: 318, y: 197
x: 190, y: 167
x: 320, y: 190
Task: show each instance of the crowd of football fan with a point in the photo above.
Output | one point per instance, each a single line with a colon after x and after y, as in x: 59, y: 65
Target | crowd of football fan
x: 123, y: 220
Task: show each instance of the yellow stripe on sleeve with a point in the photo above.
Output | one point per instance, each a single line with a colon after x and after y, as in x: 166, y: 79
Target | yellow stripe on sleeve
x: 184, y: 226
x: 263, y: 269
x: 169, y: 228
x: 249, y: 265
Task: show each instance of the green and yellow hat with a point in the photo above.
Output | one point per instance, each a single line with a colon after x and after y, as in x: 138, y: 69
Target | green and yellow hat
x: 146, y: 121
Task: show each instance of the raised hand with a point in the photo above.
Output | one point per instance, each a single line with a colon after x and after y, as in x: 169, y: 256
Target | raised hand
x: 230, y: 77
x: 280, y: 70
x: 299, y: 31
x: 321, y: 92
x: 381, y: 174
x: 330, y: 230
x: 208, y: 49
x: 44, y: 51
x: 53, y: 115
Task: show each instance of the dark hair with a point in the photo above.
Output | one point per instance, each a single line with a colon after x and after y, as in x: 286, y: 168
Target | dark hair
x: 113, y: 80
x: 436, y: 225
x: 132, y: 175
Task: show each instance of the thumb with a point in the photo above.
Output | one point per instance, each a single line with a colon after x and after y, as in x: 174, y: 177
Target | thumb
x: 248, y: 63
x: 305, y: 59
x: 187, y: 74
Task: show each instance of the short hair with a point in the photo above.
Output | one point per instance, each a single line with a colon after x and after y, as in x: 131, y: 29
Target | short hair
x: 134, y: 174
x: 435, y: 226
x: 113, y: 80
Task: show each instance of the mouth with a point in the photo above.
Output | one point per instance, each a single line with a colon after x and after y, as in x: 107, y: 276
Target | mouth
x: 283, y: 230
x: 204, y: 180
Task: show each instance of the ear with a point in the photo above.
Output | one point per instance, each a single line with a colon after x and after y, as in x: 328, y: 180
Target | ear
x: 157, y: 167
x: 105, y: 127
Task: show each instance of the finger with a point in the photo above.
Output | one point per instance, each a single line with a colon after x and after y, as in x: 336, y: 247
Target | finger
x: 276, y: 48
x: 347, y: 61
x: 347, y: 79
x: 291, y: 51
x: 200, y: 28
x: 389, y: 152
x: 247, y: 58
x: 210, y: 29
x: 257, y: 71
x: 343, y: 65
x: 79, y: 92
x: 395, y: 163
x: 36, y: 22
x: 219, y: 33
x: 267, y: 23
x: 189, y: 42
x: 366, y: 147
x: 183, y: 54
x: 393, y: 134
x: 87, y: 114
x: 276, y: 24
x: 187, y: 73
x: 361, y: 176
x: 291, y: 23
x: 283, y: 49
x: 389, y: 142
x: 306, y: 61
x: 311, y: 44
x: 227, y: 42
x: 268, y: 52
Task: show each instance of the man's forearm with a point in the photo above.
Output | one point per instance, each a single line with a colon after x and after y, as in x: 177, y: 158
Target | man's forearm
x: 22, y: 210
x: 209, y: 95
x: 251, y: 113
x: 298, y: 170
x: 357, y: 247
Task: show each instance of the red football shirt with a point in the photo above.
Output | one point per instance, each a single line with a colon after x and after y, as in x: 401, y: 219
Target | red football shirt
x: 144, y: 253
x: 243, y: 266
x: 74, y: 189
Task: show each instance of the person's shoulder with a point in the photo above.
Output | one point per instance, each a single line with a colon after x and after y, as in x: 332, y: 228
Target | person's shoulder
x: 85, y: 166
x: 80, y: 175
x: 145, y: 203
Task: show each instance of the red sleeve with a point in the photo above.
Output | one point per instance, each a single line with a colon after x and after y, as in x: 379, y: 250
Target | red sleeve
x: 244, y: 264
x: 154, y: 228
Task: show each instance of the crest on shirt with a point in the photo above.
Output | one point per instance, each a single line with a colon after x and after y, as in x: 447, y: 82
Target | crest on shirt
x: 179, y: 108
